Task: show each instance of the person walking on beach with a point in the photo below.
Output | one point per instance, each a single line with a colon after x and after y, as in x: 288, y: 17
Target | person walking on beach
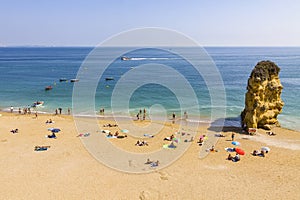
x: 36, y: 114
x: 60, y: 109
x: 69, y: 111
x: 173, y: 117
x: 20, y: 112
x: 11, y: 109
x: 56, y: 111
x: 138, y: 116
x: 185, y: 115
x: 232, y: 136
x: 144, y: 115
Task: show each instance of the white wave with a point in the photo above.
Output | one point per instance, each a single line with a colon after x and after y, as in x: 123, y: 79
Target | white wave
x: 153, y: 58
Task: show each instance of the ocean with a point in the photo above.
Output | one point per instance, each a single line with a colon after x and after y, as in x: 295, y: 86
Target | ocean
x: 26, y: 71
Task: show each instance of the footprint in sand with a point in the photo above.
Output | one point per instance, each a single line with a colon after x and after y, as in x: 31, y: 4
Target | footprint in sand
x: 163, y: 176
x: 145, y: 195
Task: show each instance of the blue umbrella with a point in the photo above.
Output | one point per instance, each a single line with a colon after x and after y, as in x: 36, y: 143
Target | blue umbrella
x: 54, y: 130
x: 236, y: 143
x: 124, y: 131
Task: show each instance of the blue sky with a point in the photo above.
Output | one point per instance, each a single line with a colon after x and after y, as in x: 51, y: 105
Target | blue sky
x: 209, y: 22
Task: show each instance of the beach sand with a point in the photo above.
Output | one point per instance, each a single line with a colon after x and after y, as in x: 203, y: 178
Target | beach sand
x: 68, y: 171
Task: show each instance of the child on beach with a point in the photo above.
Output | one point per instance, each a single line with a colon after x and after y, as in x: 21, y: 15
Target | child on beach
x: 232, y: 136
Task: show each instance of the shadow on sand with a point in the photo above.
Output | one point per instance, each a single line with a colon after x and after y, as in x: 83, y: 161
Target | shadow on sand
x: 230, y: 124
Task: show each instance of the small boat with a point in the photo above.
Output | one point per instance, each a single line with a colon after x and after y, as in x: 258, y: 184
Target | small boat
x: 63, y: 80
x: 48, y: 87
x: 74, y: 80
x: 109, y: 78
x: 125, y: 58
x: 37, y: 103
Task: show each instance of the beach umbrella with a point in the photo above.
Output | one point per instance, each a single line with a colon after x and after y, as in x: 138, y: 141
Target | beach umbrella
x: 240, y: 151
x: 124, y: 131
x: 236, y: 143
x: 265, y: 149
x: 176, y: 140
x: 54, y: 130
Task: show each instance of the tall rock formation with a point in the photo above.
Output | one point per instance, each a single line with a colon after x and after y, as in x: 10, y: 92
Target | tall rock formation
x: 262, y: 100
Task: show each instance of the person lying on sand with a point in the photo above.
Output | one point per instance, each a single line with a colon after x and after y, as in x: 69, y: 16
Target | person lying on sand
x: 255, y: 153
x: 109, y: 134
x: 110, y: 125
x: 116, y: 133
x: 169, y: 138
x: 141, y: 143
x: 219, y: 135
x: 49, y: 121
x: 212, y: 149
x: 271, y: 133
x: 236, y: 158
x: 154, y: 164
x: 52, y: 136
x: 230, y: 157
x: 148, y: 161
x: 15, y: 130
x: 262, y: 154
x: 41, y: 148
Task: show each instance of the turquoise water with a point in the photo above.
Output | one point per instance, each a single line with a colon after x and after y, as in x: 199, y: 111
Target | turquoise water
x: 24, y: 73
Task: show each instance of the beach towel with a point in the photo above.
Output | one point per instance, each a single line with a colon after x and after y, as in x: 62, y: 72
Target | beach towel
x: 153, y: 164
x: 169, y: 146
x: 228, y: 149
x: 148, y: 135
x: 43, y: 148
x: 111, y: 136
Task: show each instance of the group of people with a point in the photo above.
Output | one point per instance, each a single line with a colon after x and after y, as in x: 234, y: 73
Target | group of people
x: 139, y: 115
x: 235, y: 158
x: 101, y: 111
x: 110, y: 125
x: 261, y: 153
x: 117, y: 135
x: 49, y: 121
x: 141, y: 143
x: 152, y: 163
x: 59, y: 111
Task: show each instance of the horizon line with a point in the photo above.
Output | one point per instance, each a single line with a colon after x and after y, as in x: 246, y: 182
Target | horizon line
x: 91, y: 46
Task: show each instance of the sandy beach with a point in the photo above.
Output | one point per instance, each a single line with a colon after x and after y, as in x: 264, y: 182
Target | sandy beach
x: 68, y: 171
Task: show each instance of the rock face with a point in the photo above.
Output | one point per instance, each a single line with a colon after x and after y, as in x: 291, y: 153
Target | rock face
x: 262, y: 100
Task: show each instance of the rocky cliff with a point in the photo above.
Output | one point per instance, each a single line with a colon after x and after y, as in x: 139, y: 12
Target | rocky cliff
x: 262, y: 100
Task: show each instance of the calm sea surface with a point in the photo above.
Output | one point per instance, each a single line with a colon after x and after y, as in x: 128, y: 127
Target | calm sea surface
x: 25, y: 72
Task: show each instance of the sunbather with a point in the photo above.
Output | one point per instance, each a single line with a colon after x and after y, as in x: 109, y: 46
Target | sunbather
x: 255, y: 153
x: 155, y: 164
x: 15, y: 130
x: 236, y: 158
x: 41, y: 148
x: 230, y: 157
x: 52, y: 136
x: 271, y: 133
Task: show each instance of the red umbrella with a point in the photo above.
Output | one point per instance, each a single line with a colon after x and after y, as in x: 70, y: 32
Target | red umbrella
x: 240, y: 151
